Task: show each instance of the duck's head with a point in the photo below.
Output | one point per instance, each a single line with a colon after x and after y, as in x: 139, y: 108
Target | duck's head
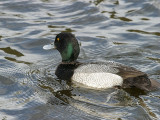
x: 67, y: 45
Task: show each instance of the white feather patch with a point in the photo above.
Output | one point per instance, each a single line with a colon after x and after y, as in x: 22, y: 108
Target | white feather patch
x: 98, y: 80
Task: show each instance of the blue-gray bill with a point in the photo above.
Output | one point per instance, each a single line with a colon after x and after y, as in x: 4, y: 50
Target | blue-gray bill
x: 48, y: 47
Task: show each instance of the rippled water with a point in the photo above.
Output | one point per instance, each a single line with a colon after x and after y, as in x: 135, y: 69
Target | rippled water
x: 125, y: 31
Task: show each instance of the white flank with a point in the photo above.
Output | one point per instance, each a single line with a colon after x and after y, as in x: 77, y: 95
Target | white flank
x: 98, y: 80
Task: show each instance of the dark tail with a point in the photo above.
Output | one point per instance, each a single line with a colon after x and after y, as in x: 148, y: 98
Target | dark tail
x: 154, y: 85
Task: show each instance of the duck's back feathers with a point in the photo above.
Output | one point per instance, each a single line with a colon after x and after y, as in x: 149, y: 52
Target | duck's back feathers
x: 134, y: 78
x: 104, y: 75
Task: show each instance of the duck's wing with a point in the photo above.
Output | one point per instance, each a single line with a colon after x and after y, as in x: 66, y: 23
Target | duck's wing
x: 128, y: 72
x: 131, y: 76
x: 109, y: 67
x: 134, y: 78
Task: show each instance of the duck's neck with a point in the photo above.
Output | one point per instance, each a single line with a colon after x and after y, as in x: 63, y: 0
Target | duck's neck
x: 70, y: 54
x: 67, y: 53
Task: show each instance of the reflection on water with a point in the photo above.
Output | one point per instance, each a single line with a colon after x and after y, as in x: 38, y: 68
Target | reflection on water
x: 125, y: 31
x: 144, y: 32
x: 12, y: 51
x: 14, y: 60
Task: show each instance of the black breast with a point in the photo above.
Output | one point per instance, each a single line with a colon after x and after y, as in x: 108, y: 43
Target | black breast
x: 65, y: 70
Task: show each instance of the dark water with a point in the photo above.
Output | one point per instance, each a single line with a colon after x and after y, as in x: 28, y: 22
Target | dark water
x: 126, y: 31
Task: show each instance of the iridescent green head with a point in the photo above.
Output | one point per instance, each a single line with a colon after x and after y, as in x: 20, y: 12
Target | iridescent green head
x: 68, y: 46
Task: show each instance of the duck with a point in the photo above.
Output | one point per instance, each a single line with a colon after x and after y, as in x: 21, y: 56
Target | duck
x: 95, y: 75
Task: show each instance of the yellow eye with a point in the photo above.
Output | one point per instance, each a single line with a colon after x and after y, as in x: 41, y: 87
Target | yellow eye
x: 57, y: 39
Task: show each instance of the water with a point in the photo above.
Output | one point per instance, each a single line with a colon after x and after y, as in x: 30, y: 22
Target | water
x: 124, y: 31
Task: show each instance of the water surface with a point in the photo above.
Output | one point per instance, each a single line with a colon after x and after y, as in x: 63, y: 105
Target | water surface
x: 124, y: 31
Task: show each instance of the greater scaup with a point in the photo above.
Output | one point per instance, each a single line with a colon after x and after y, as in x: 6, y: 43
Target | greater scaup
x: 99, y: 75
